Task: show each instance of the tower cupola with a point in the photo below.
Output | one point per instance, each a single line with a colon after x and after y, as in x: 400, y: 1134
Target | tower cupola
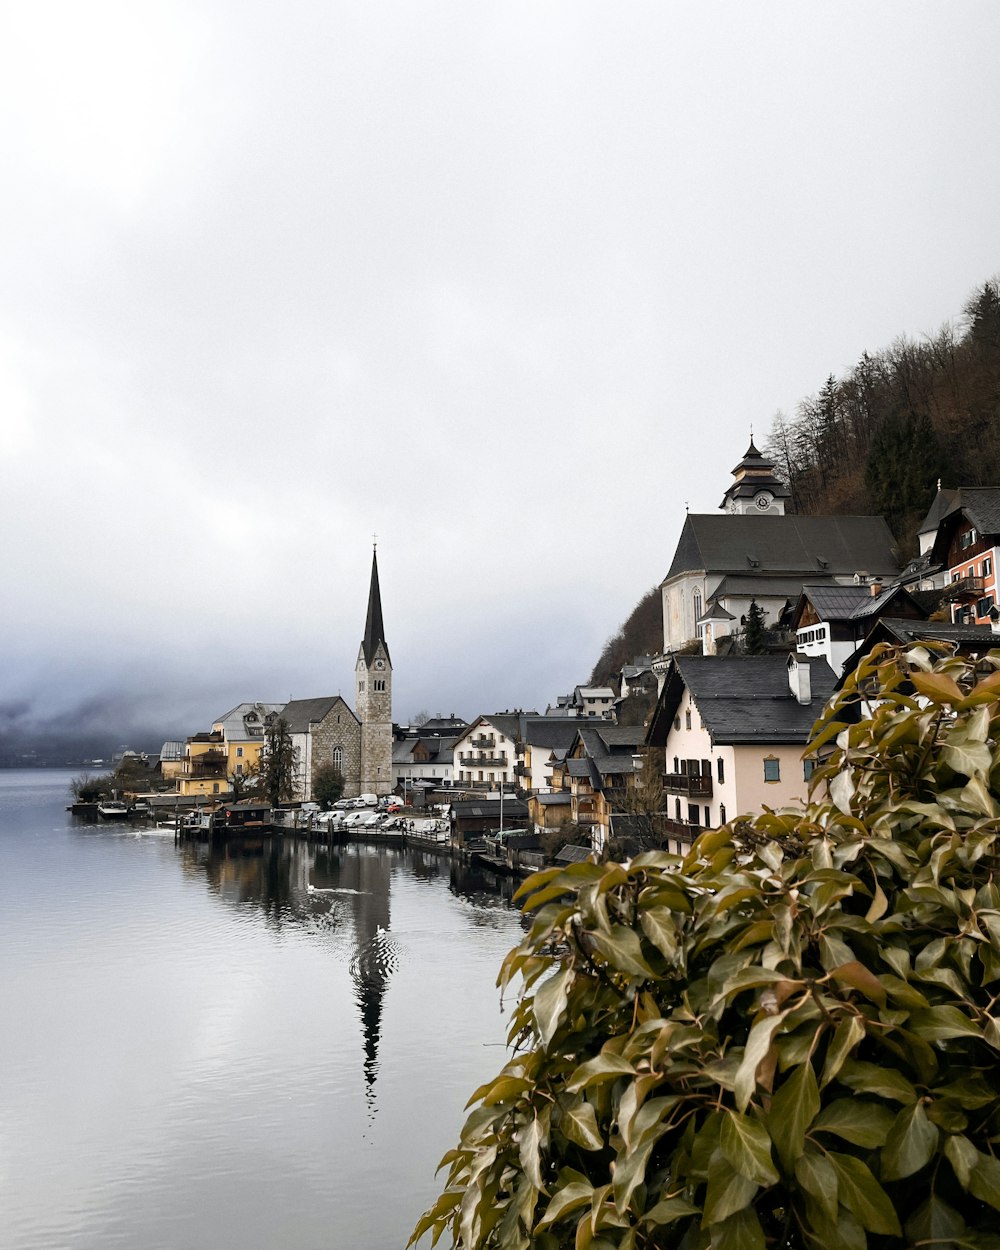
x: 755, y: 489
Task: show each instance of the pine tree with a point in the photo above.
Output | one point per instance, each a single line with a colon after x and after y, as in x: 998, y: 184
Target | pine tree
x: 754, y: 630
x: 277, y: 764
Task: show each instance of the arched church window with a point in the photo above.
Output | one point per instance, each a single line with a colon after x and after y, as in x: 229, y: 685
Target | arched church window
x: 338, y: 759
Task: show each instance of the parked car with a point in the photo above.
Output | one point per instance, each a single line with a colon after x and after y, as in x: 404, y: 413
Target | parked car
x: 342, y: 805
x: 351, y: 819
x: 368, y: 820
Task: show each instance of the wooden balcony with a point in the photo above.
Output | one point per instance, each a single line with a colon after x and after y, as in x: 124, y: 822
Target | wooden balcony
x: 965, y: 588
x: 691, y: 784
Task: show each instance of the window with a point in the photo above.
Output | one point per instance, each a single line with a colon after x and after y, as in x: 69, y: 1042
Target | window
x: 720, y: 769
x: 722, y: 813
x: 984, y: 605
x: 988, y: 566
x: 687, y: 719
x: 215, y: 788
x: 379, y: 684
x: 708, y: 817
x: 338, y: 759
x: 239, y: 770
x: 772, y: 768
x: 957, y: 575
x: 696, y: 600
x: 239, y: 753
x: 677, y: 765
x: 361, y: 687
x: 808, y: 768
x: 677, y: 808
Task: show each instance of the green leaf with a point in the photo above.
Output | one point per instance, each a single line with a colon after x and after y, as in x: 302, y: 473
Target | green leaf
x: 816, y: 1174
x: 758, y: 1044
x: 728, y: 1191
x: 935, y: 1225
x: 984, y: 1183
x: 940, y: 1024
x: 659, y: 926
x: 861, y: 1193
x: 550, y: 1003
x: 858, y: 977
x: 910, y: 1145
x: 579, y: 1125
x: 623, y: 950
x: 939, y: 688
x: 856, y: 1120
x: 741, y: 1231
x: 630, y: 1173
x: 573, y: 1194
x: 667, y: 1210
x: 847, y: 1035
x: 603, y: 1067
x: 747, y: 1146
x: 871, y: 1079
x: 792, y: 1110
x: 962, y: 1156
x: 529, y: 1150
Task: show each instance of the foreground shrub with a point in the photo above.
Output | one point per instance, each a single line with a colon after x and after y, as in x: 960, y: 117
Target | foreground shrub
x: 788, y: 1038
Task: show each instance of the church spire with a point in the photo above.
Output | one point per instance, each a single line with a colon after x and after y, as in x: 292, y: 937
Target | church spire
x: 374, y: 629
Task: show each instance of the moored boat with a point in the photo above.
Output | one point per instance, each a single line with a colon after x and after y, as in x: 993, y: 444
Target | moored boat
x: 112, y: 809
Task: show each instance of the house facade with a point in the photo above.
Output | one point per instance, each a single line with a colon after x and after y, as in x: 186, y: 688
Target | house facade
x: 966, y: 547
x: 732, y: 731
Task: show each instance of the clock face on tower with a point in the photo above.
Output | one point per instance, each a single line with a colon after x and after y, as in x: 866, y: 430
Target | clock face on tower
x: 762, y: 500
x: 380, y: 664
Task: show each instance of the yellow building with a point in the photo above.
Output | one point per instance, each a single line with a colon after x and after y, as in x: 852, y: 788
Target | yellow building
x: 242, y: 733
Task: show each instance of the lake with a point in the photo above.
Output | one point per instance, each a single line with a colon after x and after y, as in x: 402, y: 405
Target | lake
x: 269, y: 1046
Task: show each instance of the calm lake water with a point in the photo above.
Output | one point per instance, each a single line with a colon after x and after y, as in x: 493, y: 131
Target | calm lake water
x: 270, y: 1048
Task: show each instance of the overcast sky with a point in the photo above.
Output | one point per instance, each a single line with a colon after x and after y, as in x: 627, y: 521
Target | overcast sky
x: 506, y: 284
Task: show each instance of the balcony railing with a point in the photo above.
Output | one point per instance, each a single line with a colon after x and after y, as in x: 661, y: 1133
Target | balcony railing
x: 688, y: 783
x: 483, y: 741
x: 210, y: 764
x: 479, y: 761
x: 965, y: 588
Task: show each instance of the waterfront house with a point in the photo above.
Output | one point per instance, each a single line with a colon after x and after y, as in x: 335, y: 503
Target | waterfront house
x: 731, y: 731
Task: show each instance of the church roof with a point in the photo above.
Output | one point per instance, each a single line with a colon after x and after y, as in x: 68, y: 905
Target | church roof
x: 789, y: 545
x: 301, y: 713
x: 374, y: 629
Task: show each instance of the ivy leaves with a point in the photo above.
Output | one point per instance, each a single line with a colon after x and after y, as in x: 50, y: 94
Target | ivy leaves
x: 789, y: 1036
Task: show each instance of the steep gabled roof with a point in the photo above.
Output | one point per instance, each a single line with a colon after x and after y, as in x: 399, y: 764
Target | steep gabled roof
x: 301, y: 713
x: 980, y: 504
x: 742, y: 699
x: 784, y: 545
x: 897, y: 631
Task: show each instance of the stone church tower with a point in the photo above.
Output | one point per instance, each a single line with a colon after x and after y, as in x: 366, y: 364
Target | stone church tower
x: 373, y: 683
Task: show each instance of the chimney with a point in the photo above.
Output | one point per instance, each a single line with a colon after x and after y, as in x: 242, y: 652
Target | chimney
x: 799, y: 678
x: 876, y: 587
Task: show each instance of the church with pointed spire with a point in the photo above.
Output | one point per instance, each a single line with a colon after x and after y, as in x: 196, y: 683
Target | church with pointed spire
x: 373, y: 696
x: 358, y: 743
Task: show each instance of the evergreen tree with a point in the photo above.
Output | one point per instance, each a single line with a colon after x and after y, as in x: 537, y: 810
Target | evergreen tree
x: 754, y: 642
x: 278, y: 762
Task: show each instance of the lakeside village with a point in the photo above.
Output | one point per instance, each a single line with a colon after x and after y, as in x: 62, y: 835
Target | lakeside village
x: 764, y: 615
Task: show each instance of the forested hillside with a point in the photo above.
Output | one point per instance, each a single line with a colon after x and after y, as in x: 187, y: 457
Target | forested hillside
x: 875, y: 441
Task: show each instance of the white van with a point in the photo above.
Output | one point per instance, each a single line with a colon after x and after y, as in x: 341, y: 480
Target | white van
x: 366, y: 800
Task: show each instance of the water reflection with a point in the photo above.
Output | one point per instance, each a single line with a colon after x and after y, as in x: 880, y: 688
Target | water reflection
x: 345, y: 892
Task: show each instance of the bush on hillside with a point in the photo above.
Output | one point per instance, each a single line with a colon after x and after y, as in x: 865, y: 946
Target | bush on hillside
x: 788, y: 1038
